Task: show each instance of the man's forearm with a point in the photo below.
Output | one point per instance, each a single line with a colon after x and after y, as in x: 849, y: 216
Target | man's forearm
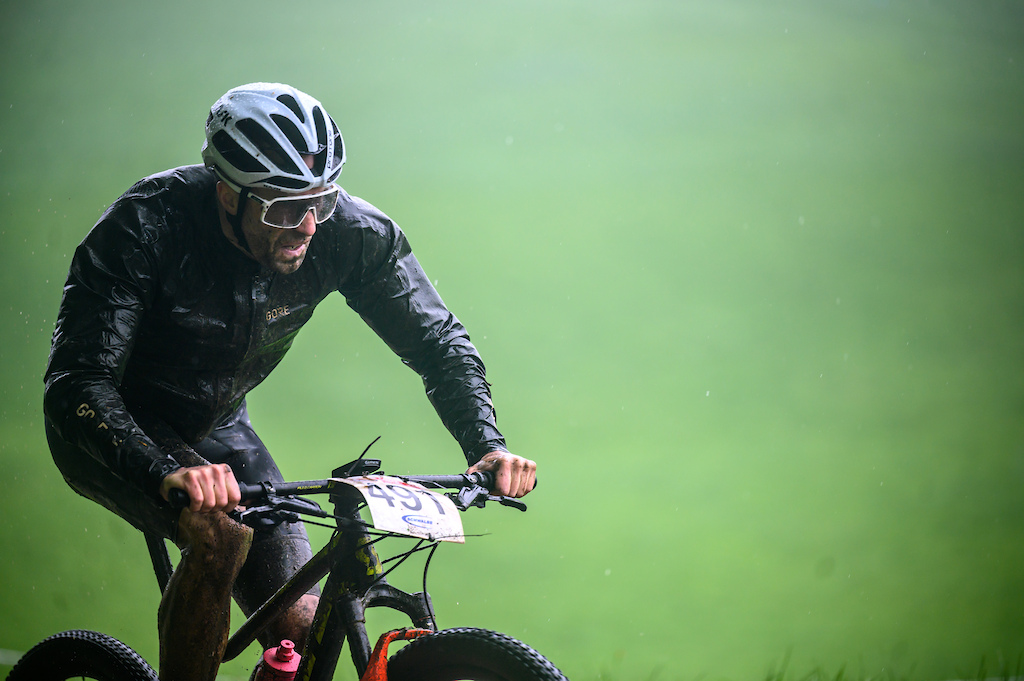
x: 91, y: 414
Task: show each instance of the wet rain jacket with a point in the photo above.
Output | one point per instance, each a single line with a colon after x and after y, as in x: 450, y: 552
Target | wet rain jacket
x: 162, y: 313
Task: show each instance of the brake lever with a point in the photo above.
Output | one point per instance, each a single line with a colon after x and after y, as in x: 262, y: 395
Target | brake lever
x: 300, y: 505
x: 478, y: 496
x: 278, y: 510
x: 266, y: 516
x: 474, y: 495
x: 511, y: 502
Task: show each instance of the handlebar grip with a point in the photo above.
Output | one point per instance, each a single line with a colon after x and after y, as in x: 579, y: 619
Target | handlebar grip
x: 483, y: 478
x: 250, y: 492
x: 179, y: 499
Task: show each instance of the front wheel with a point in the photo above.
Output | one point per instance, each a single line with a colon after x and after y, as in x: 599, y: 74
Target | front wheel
x: 470, y: 654
x: 81, y: 654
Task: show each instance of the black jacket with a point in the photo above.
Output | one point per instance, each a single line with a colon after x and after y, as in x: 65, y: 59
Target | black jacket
x: 162, y: 313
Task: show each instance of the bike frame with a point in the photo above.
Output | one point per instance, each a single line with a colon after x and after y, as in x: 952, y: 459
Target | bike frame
x: 355, y: 582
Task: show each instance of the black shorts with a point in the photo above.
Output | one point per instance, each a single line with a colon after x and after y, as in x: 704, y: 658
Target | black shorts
x: 276, y: 553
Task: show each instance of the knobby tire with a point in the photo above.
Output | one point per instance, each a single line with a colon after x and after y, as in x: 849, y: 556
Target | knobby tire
x: 81, y: 654
x: 470, y: 654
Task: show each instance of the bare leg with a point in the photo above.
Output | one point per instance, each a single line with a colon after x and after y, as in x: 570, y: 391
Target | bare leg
x: 194, y: 615
x: 293, y: 625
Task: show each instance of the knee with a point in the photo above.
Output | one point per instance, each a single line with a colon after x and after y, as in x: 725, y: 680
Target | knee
x: 293, y: 625
x: 214, y: 538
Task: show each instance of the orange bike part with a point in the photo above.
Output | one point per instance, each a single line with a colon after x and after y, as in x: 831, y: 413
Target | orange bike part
x: 377, y: 669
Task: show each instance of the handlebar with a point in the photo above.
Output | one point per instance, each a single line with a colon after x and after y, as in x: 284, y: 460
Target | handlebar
x: 178, y: 498
x: 481, y: 478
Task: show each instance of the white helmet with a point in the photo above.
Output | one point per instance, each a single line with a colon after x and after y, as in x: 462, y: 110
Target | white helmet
x: 257, y: 134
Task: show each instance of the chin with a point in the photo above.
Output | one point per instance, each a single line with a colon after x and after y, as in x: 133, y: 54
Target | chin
x: 282, y: 266
x: 288, y: 267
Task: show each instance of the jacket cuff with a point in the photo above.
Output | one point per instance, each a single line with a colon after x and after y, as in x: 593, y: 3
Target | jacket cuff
x: 477, y: 452
x: 159, y: 470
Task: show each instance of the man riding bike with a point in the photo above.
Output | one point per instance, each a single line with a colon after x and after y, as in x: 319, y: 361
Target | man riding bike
x: 183, y: 297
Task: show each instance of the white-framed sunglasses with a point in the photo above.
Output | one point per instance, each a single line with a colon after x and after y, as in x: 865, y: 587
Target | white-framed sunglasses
x: 287, y: 212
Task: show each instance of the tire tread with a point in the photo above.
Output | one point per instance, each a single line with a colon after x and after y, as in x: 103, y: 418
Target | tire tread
x: 80, y: 652
x: 506, y: 658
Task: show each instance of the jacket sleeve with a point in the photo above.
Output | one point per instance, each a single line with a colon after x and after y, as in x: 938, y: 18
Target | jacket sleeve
x: 390, y: 291
x: 109, y: 286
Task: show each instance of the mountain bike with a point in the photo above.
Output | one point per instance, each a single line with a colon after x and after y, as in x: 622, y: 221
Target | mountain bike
x: 397, y: 506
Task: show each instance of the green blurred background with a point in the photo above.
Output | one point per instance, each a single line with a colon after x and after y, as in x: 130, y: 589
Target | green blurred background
x: 748, y: 278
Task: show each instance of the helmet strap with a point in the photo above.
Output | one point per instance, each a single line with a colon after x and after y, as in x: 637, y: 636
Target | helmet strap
x: 235, y: 220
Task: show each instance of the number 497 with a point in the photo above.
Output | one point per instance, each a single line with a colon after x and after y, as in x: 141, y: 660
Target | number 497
x: 408, y: 498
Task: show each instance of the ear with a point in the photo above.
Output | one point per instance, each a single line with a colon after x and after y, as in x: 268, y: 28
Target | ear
x: 227, y: 197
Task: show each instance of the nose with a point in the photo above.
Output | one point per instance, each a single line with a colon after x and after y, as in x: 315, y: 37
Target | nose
x: 308, y: 225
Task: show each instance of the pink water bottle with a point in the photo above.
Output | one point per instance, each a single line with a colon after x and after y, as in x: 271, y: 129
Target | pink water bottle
x: 280, y: 663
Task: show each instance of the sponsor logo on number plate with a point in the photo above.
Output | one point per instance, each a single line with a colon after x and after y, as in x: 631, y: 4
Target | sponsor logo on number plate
x: 418, y: 520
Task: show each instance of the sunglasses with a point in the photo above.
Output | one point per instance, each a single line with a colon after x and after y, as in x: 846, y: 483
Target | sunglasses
x: 288, y: 212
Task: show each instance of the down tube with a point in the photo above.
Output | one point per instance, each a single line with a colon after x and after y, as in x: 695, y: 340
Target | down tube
x: 339, y: 616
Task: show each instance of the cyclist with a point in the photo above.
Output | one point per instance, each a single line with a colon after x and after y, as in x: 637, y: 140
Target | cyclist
x: 183, y: 297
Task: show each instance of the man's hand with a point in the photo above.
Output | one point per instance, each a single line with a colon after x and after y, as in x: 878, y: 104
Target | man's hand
x: 211, y: 488
x: 514, y: 476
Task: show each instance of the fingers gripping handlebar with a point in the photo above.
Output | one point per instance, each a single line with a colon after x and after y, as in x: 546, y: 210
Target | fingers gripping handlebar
x: 473, y: 488
x: 179, y: 498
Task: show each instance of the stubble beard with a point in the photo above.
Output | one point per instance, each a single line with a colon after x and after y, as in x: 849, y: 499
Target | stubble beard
x: 266, y: 248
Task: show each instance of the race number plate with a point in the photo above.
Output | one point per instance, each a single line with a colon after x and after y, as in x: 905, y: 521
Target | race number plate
x: 407, y: 508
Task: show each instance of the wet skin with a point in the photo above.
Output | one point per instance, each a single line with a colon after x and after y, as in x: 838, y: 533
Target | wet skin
x: 276, y: 249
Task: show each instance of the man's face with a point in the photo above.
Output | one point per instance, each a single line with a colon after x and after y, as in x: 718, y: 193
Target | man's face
x: 277, y: 249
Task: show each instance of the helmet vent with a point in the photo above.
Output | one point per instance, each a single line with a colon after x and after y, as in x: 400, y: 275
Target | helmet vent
x: 290, y: 102
x: 290, y: 131
x: 320, y: 160
x: 267, y: 145
x: 286, y: 183
x: 236, y: 155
